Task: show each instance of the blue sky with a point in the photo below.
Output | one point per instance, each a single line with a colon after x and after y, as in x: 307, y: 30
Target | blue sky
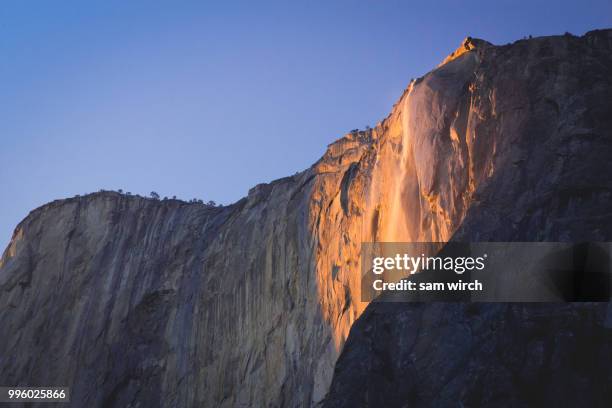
x: 206, y: 99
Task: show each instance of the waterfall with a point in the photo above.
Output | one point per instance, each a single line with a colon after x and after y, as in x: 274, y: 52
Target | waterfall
x: 398, y: 228
x: 393, y: 198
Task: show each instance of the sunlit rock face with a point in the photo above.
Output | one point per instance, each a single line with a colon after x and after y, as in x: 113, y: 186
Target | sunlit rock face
x: 524, y: 156
x: 133, y: 301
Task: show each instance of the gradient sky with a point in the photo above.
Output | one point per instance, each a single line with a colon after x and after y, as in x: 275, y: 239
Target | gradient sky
x: 206, y: 99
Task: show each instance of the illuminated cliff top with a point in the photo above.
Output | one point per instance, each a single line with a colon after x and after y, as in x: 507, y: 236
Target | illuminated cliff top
x: 468, y: 44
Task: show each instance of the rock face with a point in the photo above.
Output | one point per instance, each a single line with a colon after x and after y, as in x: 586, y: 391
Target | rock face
x: 140, y: 302
x: 545, y: 123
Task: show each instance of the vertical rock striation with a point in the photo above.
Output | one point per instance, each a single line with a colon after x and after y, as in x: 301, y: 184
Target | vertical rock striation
x: 140, y: 302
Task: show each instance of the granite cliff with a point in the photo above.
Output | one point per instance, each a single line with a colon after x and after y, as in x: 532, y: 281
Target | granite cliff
x: 141, y: 302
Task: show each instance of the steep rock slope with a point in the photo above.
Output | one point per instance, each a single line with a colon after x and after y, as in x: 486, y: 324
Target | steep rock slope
x: 136, y: 301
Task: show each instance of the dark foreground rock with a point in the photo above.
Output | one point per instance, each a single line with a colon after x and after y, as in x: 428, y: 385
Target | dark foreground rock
x: 474, y: 355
